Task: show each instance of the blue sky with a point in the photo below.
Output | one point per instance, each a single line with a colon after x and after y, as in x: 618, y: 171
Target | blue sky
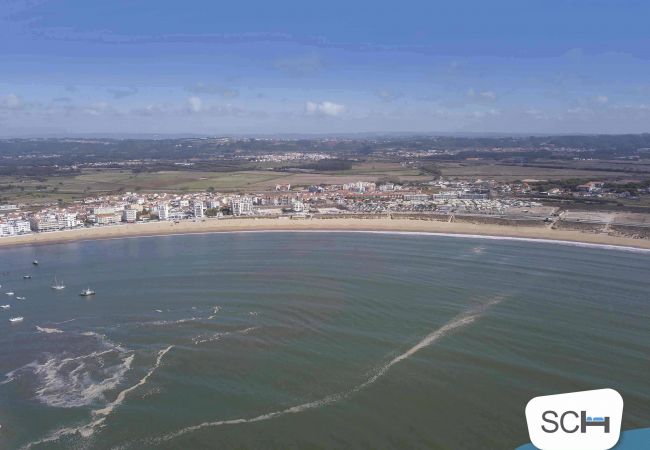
x: 211, y: 67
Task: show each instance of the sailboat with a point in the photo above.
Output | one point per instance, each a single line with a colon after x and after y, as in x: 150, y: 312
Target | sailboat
x: 56, y: 284
x: 16, y: 319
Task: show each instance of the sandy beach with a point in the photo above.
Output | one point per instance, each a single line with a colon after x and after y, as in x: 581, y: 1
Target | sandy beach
x: 333, y: 224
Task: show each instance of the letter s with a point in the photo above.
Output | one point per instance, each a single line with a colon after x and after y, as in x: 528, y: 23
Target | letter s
x: 552, y: 422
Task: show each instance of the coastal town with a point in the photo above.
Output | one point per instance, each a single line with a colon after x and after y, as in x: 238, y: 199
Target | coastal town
x: 477, y: 201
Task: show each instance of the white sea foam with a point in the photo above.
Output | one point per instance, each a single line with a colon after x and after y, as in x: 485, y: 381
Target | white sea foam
x: 458, y: 322
x: 170, y: 322
x: 65, y: 321
x: 100, y: 415
x: 56, y: 368
x: 68, y: 385
x: 77, y: 381
x: 48, y: 330
x: 217, y: 336
x: 215, y: 310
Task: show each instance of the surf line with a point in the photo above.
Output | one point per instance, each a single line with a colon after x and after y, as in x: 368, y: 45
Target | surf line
x: 100, y: 415
x: 459, y: 321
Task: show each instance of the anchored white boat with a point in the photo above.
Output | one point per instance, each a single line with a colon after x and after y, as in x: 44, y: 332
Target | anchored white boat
x: 5, y: 306
x: 27, y: 277
x: 35, y: 262
x: 16, y: 319
x: 21, y: 298
x: 10, y: 294
x: 56, y: 284
x: 87, y: 292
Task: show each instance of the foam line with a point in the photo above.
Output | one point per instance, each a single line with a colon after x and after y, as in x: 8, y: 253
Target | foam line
x: 122, y: 395
x: 48, y: 330
x: 217, y: 336
x: 458, y: 322
x: 100, y: 415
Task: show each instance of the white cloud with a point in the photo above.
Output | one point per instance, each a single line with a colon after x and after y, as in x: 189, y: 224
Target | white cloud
x: 324, y: 109
x: 484, y: 96
x: 579, y: 111
x: 11, y: 101
x: 534, y: 112
x: 488, y: 95
x: 388, y: 95
x: 202, y: 88
x: 195, y: 104
x: 300, y: 66
x: 98, y: 108
x: 602, y: 99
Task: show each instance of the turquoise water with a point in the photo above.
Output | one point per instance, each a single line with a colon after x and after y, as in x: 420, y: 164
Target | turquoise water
x: 312, y: 340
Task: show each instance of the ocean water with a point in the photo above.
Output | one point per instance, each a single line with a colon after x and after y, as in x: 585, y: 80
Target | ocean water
x: 312, y: 340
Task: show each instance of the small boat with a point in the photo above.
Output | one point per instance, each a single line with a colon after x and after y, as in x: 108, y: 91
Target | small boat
x: 27, y: 277
x: 35, y: 262
x: 87, y: 292
x: 16, y: 319
x: 21, y: 298
x: 56, y: 284
x: 5, y: 306
x: 10, y: 294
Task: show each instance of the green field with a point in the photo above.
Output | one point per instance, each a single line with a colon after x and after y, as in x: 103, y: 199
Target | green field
x: 110, y: 181
x: 91, y: 182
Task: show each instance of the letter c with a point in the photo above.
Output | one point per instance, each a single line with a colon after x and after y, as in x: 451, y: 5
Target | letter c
x: 575, y: 414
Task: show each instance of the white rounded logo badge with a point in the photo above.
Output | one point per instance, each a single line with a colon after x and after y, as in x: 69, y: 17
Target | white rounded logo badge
x: 587, y: 420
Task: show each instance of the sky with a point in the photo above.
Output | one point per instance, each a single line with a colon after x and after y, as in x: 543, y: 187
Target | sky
x: 122, y: 67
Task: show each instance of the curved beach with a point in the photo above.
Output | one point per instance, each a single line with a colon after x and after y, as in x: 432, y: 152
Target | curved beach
x: 329, y: 224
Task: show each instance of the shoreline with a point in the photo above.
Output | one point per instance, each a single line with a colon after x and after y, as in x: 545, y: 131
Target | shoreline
x: 529, y: 233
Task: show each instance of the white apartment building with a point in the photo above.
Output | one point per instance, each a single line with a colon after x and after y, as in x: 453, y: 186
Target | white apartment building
x: 163, y: 211
x: 14, y: 227
x: 198, y: 209
x: 69, y: 220
x: 107, y: 219
x: 129, y: 215
x: 103, y: 210
x: 241, y: 206
x: 53, y: 222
